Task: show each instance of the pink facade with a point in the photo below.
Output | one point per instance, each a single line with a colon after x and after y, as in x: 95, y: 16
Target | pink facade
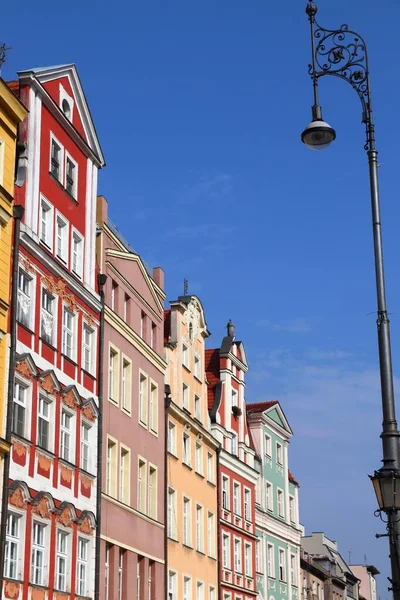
x: 132, y: 521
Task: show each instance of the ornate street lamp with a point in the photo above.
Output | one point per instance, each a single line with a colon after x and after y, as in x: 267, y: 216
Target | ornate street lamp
x: 343, y: 53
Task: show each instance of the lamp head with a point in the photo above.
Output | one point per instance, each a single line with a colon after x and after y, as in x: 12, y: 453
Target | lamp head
x: 386, y: 484
x: 318, y: 135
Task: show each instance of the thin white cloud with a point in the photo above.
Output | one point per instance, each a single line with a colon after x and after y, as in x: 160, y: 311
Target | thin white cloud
x: 293, y: 326
x: 207, y: 231
x: 213, y: 186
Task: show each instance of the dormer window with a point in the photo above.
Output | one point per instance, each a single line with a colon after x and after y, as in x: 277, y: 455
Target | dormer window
x: 66, y: 103
x: 66, y: 108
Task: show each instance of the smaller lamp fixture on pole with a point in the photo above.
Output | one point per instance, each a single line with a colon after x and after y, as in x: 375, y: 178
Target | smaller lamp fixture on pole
x: 318, y: 135
x: 386, y: 484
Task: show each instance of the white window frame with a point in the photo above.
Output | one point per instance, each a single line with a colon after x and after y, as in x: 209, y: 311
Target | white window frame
x: 13, y: 546
x: 22, y: 404
x: 234, y: 397
x: 90, y: 348
x: 247, y: 504
x: 126, y: 384
x: 142, y: 485
x: 269, y: 496
x: 237, y: 504
x: 199, y: 527
x: 46, y: 237
x: 69, y: 332
x: 281, y: 503
x: 111, y: 467
x: 64, y: 238
x: 185, y: 396
x: 197, y: 367
x: 187, y: 521
x: 62, y: 558
x: 65, y: 96
x: 172, y: 587
x: 268, y: 445
x: 279, y: 453
x: 171, y: 437
x: 226, y: 493
x: 210, y: 468
x: 237, y: 554
x: 247, y: 560
x: 258, y: 556
x: 124, y: 474
x: 67, y: 436
x: 197, y: 407
x: 48, y: 319
x: 293, y: 570
x: 26, y: 297
x: 211, y: 534
x: 282, y: 565
x: 153, y: 407
x: 47, y: 419
x: 82, y: 566
x: 185, y: 355
x: 292, y: 511
x: 199, y: 590
x: 85, y: 446
x: 186, y: 449
x: 74, y: 192
x: 113, y: 374
x: 60, y: 179
x: 171, y: 513
x: 199, y: 458
x: 226, y: 550
x: 77, y: 237
x: 152, y: 491
x: 271, y: 560
x: 143, y: 399
x: 212, y: 593
x: 39, y: 548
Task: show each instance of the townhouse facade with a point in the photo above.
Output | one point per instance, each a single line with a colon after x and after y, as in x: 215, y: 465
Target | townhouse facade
x: 277, y: 514
x: 237, y: 476
x: 192, y: 457
x: 313, y: 579
x: 366, y: 574
x: 53, y: 406
x: 132, y: 556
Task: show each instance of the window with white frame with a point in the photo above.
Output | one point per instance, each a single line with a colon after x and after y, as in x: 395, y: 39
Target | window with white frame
x: 56, y: 159
x: 114, y: 295
x: 279, y: 453
x: 62, y: 238
x: 234, y: 400
x: 185, y: 396
x: 107, y: 572
x: 292, y: 513
x: 197, y: 369
x: 142, y: 483
x: 65, y: 439
x: 236, y: 498
x: 226, y: 551
x: 211, y: 535
x: 85, y: 446
x: 186, y: 449
x: 212, y: 593
x: 111, y: 468
x: 199, y: 528
x: 120, y: 573
x: 210, y: 467
x: 171, y: 437
x: 187, y: 588
x: 187, y: 521
x: 77, y: 254
x: 47, y: 321
x: 113, y: 368
x: 199, y: 591
x: 247, y: 504
x: 305, y: 590
x: 197, y: 407
x: 293, y: 570
x: 237, y: 547
x: 71, y: 177
x: 271, y: 560
x: 126, y: 384
x: 152, y: 493
x: 172, y: 586
x: 12, y: 546
x: 153, y: 408
x: 282, y: 565
x: 25, y: 295
x: 234, y: 445
x: 281, y: 507
x: 268, y: 446
x: 225, y: 492
x: 153, y: 335
x: 126, y: 313
x: 46, y: 223
x: 62, y: 561
x: 68, y: 339
x: 185, y: 356
x: 44, y: 423
x: 124, y: 472
x: 38, y: 556
x: 247, y: 560
x: 269, y: 498
x: 19, y: 409
x: 199, y: 458
x: 88, y: 348
x: 138, y: 569
x: 82, y: 567
x: 143, y: 394
x: 258, y: 556
x: 171, y: 516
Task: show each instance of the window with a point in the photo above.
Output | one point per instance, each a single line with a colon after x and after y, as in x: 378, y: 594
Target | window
x: 12, y: 550
x: 68, y: 347
x: 197, y: 372
x: 66, y: 108
x: 172, y: 586
x: 234, y: 398
x: 107, y: 572
x: 153, y: 332
x: 247, y: 505
x: 236, y: 499
x: 85, y: 446
x: 126, y: 314
x: 279, y: 459
x: 120, y: 573
x: 43, y: 423
x: 247, y: 560
x: 282, y: 565
x: 199, y: 591
x: 87, y: 347
x: 124, y: 479
x: 111, y: 468
x: 171, y: 437
x: 234, y: 444
x: 258, y: 556
x: 114, y: 295
x: 56, y: 160
x: 142, y: 486
x: 271, y: 560
x: 126, y: 384
x: 38, y: 553
x: 185, y: 396
x: 210, y: 467
x: 142, y: 325
x: 211, y: 593
x: 225, y: 492
x: 66, y: 426
x: 62, y: 559
x: 187, y: 522
x: 305, y: 590
x: 62, y: 239
x: 24, y: 308
x: 293, y: 570
x: 199, y: 458
x: 19, y: 407
x: 47, y: 317
x: 46, y: 223
x: 199, y: 528
x: 185, y: 356
x: 71, y: 177
x: 82, y: 567
x: 268, y: 446
x: 291, y: 510
x: 210, y: 535
x: 138, y: 567
x: 281, y: 510
x: 269, y: 499
x: 226, y: 553
x: 171, y: 525
x: 186, y: 450
x: 197, y: 407
x: 237, y: 555
x: 143, y: 399
x: 187, y: 588
x: 153, y: 409
x: 113, y: 364
x: 77, y: 254
x: 152, y: 510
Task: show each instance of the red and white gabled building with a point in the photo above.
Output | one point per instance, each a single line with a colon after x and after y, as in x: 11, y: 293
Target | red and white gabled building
x: 51, y: 523
x: 225, y: 370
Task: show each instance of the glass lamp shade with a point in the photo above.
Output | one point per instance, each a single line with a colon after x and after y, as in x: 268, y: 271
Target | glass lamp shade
x: 387, y: 489
x: 318, y: 135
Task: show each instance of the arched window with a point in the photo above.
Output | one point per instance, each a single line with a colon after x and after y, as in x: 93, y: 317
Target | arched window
x: 66, y: 108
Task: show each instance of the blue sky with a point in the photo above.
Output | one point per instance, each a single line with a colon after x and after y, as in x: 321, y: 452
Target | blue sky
x: 199, y: 108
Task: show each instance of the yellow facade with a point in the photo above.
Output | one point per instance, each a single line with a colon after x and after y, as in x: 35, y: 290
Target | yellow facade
x: 192, y: 514
x: 12, y: 112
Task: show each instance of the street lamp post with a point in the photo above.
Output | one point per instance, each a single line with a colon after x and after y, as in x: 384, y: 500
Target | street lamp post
x: 343, y: 53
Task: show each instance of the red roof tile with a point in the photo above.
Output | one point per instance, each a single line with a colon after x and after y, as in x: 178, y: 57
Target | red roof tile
x: 13, y: 86
x: 167, y: 325
x: 212, y: 373
x: 291, y: 478
x: 258, y: 407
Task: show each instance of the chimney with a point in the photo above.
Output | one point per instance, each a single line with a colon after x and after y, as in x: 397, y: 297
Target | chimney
x: 102, y: 210
x: 158, y: 276
x: 230, y: 329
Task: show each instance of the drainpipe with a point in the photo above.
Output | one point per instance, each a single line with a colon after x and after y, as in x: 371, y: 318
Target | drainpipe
x: 102, y: 280
x: 18, y: 213
x: 219, y: 559
x: 167, y: 398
